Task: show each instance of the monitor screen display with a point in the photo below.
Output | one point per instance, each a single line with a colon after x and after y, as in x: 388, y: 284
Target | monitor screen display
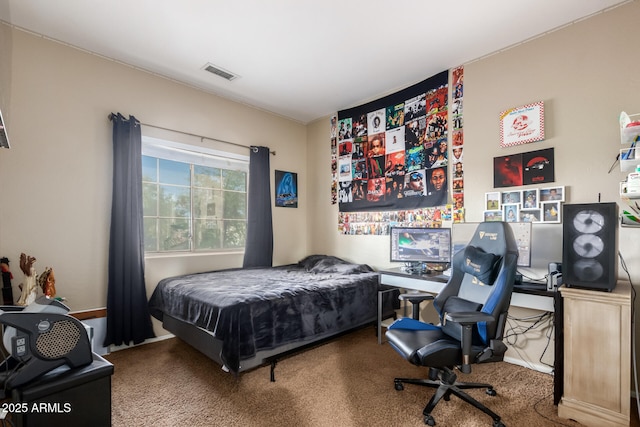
x: 426, y: 245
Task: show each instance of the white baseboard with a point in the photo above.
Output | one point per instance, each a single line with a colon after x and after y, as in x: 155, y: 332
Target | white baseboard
x: 535, y: 366
x: 113, y: 348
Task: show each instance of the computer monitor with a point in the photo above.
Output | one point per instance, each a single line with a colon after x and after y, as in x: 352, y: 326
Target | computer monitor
x: 463, y: 232
x: 428, y: 247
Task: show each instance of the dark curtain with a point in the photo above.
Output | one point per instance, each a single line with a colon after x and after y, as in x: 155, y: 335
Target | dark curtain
x: 259, y: 246
x: 128, y: 316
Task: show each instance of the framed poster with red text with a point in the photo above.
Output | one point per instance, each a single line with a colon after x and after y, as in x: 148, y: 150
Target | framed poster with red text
x: 522, y: 125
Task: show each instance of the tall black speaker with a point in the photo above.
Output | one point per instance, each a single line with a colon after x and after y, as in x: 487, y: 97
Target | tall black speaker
x: 590, y: 245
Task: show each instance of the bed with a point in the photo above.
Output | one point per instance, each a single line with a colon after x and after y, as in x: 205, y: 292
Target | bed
x: 243, y: 318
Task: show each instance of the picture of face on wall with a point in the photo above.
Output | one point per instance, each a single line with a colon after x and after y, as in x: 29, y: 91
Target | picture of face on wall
x: 438, y: 190
x: 552, y: 194
x: 414, y: 184
x: 551, y: 211
x: 511, y: 212
x: 376, y: 122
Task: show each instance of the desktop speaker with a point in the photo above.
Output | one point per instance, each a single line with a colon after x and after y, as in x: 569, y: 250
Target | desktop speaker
x: 590, y: 245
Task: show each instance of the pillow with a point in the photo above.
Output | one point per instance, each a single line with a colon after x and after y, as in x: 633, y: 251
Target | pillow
x: 336, y: 265
x: 481, y: 264
x: 309, y: 262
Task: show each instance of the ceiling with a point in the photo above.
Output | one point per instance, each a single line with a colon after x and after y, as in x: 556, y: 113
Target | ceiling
x: 301, y: 59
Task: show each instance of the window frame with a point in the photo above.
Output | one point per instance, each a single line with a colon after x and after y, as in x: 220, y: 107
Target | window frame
x: 194, y: 155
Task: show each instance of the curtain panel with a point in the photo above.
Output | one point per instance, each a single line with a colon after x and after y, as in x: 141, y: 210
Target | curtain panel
x: 259, y: 244
x: 128, y: 318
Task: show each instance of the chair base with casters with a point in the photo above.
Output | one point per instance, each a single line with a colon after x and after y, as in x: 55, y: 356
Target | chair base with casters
x: 444, y: 380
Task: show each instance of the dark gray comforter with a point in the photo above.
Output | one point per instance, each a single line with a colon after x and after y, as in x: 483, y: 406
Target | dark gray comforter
x: 262, y: 308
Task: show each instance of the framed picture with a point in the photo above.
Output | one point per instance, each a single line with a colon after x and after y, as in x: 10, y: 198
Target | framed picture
x: 530, y: 215
x: 507, y: 171
x: 286, y: 189
x: 510, y: 212
x: 492, y: 201
x: 493, y: 215
x: 530, y: 198
x: 538, y: 167
x: 550, y: 194
x: 522, y: 125
x: 550, y: 211
x: 511, y: 197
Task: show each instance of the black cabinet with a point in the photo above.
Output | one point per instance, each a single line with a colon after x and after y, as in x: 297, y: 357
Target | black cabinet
x: 78, y: 397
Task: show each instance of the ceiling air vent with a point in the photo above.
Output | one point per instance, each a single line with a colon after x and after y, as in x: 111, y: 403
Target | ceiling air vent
x: 220, y: 72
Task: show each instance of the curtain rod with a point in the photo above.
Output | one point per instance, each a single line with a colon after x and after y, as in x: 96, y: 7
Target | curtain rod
x: 200, y: 136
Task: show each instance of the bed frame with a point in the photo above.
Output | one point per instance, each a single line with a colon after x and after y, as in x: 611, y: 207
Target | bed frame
x: 204, y: 341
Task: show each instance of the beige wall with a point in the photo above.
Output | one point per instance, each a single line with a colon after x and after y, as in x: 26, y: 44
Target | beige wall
x: 585, y: 73
x: 56, y: 178
x: 5, y: 80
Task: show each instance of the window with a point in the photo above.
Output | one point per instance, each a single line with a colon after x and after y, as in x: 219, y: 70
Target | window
x: 194, y: 199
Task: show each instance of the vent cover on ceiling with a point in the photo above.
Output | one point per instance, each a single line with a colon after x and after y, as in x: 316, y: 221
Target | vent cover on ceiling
x: 219, y: 72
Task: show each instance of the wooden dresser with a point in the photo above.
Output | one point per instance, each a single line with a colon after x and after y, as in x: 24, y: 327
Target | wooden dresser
x: 597, y: 356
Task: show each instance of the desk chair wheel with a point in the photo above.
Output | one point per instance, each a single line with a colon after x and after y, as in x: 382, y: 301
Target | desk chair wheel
x: 498, y: 424
x: 398, y: 385
x: 491, y: 392
x: 428, y: 420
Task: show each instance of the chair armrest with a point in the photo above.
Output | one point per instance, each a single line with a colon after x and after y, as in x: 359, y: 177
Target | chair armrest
x: 467, y: 319
x: 415, y: 297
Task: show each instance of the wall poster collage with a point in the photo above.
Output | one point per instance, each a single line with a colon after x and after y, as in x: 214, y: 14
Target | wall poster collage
x: 390, y: 159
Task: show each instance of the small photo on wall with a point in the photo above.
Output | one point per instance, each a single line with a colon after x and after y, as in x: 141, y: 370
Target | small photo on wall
x: 457, y: 154
x: 552, y: 194
x: 530, y: 215
x: 492, y: 201
x: 493, y: 215
x: 551, y: 211
x: 511, y: 197
x: 530, y: 198
x: 286, y: 189
x: 510, y: 212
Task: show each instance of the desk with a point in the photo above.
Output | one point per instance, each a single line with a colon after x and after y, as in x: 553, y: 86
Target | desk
x: 526, y: 295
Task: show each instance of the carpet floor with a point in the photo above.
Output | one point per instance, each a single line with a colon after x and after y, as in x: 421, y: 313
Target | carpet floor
x: 344, y: 382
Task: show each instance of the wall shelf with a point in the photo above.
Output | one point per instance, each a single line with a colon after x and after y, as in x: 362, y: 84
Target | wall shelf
x: 629, y: 159
x: 629, y: 135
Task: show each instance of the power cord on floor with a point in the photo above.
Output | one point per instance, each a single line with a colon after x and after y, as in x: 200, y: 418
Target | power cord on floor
x: 542, y: 399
